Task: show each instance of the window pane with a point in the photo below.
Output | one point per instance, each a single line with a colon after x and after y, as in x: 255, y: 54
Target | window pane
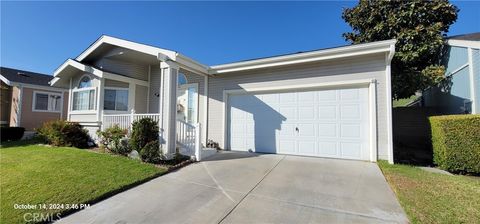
x: 192, y: 105
x: 85, y: 82
x: 122, y: 100
x: 41, y: 101
x: 182, y: 79
x: 84, y: 100
x: 91, y: 100
x: 109, y: 99
x: 54, y: 103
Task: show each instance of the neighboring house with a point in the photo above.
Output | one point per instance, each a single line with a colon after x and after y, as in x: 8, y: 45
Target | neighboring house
x: 460, y: 92
x: 333, y: 102
x: 28, y: 100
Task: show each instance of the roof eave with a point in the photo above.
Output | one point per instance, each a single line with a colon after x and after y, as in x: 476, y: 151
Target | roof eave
x: 347, y: 51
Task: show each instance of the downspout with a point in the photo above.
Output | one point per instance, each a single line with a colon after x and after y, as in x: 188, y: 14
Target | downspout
x: 388, y: 83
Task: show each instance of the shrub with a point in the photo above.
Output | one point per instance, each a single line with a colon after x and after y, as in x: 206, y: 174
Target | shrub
x: 64, y: 133
x: 144, y: 131
x: 456, y: 142
x: 11, y: 133
x: 113, y: 139
x: 151, y: 153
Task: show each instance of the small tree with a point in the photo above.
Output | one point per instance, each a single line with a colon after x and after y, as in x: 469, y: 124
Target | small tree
x: 419, y: 27
x: 144, y: 131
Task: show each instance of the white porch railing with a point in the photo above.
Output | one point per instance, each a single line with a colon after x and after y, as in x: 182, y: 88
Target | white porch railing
x: 125, y: 120
x: 188, y: 139
x: 188, y: 135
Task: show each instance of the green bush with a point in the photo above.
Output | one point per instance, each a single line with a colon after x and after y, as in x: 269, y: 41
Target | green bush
x: 151, y: 153
x: 64, y: 133
x: 144, y: 131
x: 113, y: 139
x: 456, y: 142
x: 11, y: 133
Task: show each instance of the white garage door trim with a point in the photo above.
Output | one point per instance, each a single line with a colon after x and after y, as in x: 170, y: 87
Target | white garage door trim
x: 370, y: 83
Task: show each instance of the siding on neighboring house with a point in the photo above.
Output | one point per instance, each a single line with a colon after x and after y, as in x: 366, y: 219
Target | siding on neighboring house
x: 357, y: 68
x: 476, y: 76
x: 455, y: 57
x: 453, y: 95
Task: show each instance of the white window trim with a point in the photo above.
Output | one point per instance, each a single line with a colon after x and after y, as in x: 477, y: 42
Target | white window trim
x: 34, y: 101
x: 115, y: 88
x: 81, y: 90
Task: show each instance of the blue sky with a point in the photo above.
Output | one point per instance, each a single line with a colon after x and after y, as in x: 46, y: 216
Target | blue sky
x: 39, y: 36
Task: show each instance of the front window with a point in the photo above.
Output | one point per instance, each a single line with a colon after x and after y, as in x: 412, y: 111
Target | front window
x: 84, y: 95
x: 47, y: 102
x: 116, y: 99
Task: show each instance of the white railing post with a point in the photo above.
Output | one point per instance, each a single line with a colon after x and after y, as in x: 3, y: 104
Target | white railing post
x: 198, y: 137
x: 132, y: 116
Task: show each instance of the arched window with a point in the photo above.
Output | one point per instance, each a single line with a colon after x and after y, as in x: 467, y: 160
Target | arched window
x: 85, y: 82
x: 84, y: 95
x: 182, y: 79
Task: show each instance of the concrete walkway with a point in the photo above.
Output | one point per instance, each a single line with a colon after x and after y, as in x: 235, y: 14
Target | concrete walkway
x: 237, y: 187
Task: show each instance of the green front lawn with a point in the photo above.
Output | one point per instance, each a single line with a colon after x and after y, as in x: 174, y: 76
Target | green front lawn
x: 33, y: 174
x: 404, y: 102
x: 434, y: 198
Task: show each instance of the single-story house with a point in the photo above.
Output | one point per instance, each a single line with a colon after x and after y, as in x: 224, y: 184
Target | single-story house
x: 28, y: 100
x: 459, y: 93
x: 333, y: 102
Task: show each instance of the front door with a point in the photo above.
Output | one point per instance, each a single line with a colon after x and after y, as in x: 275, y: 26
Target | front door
x: 187, y: 103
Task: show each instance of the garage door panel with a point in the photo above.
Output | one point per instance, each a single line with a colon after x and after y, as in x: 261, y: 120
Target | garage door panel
x: 350, y: 131
x: 306, y: 130
x: 327, y: 95
x: 328, y: 148
x: 326, y: 130
x: 306, y: 147
x: 350, y: 150
x: 331, y: 123
x: 288, y: 112
x: 286, y: 146
x: 327, y: 112
x: 287, y: 130
x: 306, y: 113
x: 351, y: 111
x: 306, y: 98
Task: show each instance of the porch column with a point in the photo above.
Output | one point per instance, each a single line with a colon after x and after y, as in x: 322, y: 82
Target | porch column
x: 168, y: 107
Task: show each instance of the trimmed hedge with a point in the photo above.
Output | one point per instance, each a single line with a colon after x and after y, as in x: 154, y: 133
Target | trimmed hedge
x: 11, y: 133
x: 456, y: 142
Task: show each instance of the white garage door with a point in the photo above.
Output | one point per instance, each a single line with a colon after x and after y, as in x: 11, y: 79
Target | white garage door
x: 325, y: 123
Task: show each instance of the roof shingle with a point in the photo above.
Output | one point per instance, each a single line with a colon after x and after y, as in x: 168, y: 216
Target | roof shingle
x: 20, y: 76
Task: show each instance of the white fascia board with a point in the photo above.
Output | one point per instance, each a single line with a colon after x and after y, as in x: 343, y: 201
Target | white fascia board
x: 347, y: 51
x: 464, y: 43
x: 79, y: 66
x: 191, y: 65
x: 5, y: 80
x: 125, y: 44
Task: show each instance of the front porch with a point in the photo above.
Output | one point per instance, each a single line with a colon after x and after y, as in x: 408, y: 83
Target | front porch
x: 117, y: 82
x: 188, y: 136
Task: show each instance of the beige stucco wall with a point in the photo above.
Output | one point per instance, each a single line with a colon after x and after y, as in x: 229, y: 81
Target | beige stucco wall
x: 354, y: 68
x: 32, y: 119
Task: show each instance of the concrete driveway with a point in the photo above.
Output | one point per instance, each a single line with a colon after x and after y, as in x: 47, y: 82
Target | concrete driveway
x: 235, y: 187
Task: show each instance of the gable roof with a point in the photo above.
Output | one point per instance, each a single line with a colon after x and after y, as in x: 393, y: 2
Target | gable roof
x: 9, y: 75
x: 468, y: 36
